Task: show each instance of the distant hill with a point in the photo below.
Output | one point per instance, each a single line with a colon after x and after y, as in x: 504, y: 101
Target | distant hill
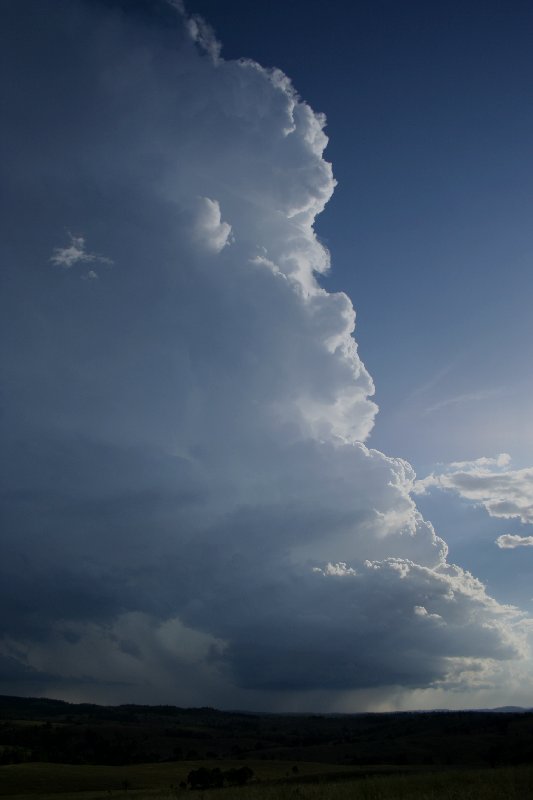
x: 41, y: 729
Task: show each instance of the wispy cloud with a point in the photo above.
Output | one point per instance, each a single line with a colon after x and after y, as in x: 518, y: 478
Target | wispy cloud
x: 436, y: 378
x: 75, y: 253
x: 468, y: 397
x: 501, y: 460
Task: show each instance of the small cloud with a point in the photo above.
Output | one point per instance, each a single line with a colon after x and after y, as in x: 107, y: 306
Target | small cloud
x: 68, y: 256
x: 510, y: 540
x: 488, y: 482
x: 90, y: 276
x: 75, y: 253
x: 501, y: 460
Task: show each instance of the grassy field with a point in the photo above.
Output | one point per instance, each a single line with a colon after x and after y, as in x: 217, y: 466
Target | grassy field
x: 38, y: 779
x: 311, y: 782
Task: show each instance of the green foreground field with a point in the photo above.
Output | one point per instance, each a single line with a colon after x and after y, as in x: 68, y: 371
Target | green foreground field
x: 275, y: 781
x: 37, y: 779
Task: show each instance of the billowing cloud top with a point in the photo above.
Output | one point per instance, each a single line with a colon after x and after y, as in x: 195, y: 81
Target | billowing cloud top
x: 190, y: 510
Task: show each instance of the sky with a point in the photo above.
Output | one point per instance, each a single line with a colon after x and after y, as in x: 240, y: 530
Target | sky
x: 266, y: 342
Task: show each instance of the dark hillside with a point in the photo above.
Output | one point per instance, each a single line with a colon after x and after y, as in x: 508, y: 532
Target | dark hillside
x: 37, y: 729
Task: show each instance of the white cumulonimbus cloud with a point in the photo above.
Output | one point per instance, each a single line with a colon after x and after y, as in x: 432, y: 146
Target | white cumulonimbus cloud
x: 489, y: 482
x: 189, y: 499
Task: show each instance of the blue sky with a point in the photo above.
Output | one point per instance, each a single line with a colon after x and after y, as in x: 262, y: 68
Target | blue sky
x: 202, y: 502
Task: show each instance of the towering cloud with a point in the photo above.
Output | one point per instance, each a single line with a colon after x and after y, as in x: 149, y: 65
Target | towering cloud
x: 191, y: 513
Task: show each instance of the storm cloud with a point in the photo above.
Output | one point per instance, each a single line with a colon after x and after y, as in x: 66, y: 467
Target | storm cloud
x: 190, y: 509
